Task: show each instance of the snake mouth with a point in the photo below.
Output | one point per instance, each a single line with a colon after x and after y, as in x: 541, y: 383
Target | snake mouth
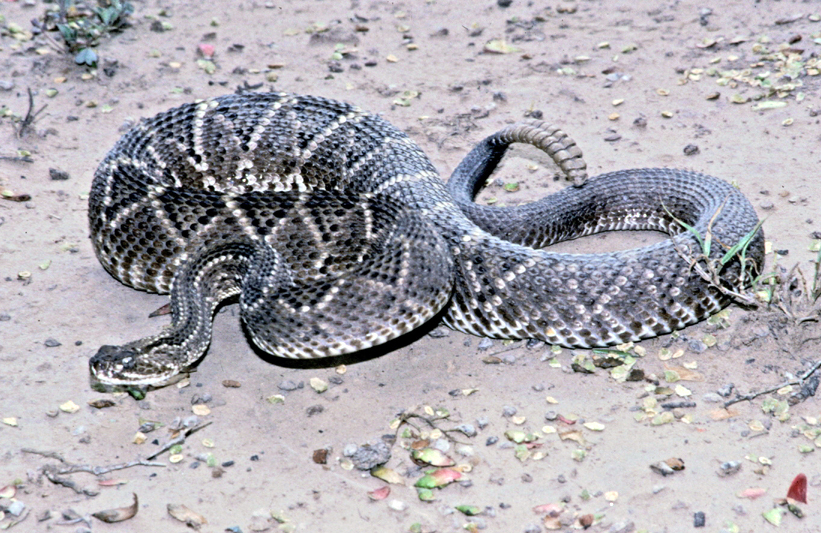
x: 125, y: 368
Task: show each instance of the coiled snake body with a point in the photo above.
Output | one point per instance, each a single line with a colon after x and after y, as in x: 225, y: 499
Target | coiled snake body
x: 337, y: 234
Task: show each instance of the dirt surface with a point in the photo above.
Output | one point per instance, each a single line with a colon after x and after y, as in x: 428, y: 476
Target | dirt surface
x: 575, y: 61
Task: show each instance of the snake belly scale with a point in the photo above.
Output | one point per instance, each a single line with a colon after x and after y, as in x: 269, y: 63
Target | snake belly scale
x: 336, y: 233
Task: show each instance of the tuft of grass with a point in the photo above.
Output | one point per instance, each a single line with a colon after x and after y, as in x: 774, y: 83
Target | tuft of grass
x: 710, y: 268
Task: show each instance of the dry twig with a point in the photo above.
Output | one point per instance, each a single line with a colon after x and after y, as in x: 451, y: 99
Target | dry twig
x: 802, y: 380
x: 54, y: 472
x: 30, y: 117
x: 178, y: 439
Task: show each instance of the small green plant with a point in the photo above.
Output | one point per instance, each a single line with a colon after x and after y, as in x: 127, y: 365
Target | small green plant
x: 81, y: 27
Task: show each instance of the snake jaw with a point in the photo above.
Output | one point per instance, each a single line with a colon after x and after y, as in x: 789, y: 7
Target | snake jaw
x: 128, y: 366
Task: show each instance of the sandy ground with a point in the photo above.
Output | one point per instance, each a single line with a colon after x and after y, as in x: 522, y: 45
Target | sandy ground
x: 575, y: 61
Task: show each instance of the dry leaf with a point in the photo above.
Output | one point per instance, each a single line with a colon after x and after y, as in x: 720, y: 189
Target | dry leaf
x: 119, y: 514
x: 500, y: 46
x: 186, y: 515
x: 752, y: 493
x: 379, y: 494
x: 387, y: 474
x: 685, y: 374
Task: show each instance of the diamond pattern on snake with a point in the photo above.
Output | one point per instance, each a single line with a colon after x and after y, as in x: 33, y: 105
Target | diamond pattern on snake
x: 336, y: 233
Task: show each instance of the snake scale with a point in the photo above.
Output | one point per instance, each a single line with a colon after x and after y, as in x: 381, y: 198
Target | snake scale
x: 336, y: 232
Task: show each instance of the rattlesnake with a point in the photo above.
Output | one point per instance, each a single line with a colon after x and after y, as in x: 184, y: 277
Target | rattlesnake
x: 337, y: 233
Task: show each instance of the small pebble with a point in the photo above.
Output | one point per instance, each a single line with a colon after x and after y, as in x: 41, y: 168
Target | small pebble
x: 255, y: 457
x: 367, y: 456
x: 622, y: 527
x: 727, y: 389
x: 200, y: 399
x: 438, y: 333
x: 349, y: 449
x: 766, y: 205
x: 534, y: 528
x: 314, y: 410
x: 482, y: 422
x: 561, y: 478
x: 613, y: 137
x: 397, y: 505
x: 691, y: 149
x: 16, y: 507
x: 442, y: 445
x: 728, y: 468
x: 227, y: 464
x: 58, y: 175
x: 698, y: 519
x: 504, y: 3
x: 468, y: 429
x: 509, y: 411
x: 288, y: 385
x: 491, y: 441
x: 52, y: 343
x: 550, y: 416
x: 697, y: 346
x: 712, y: 397
x: 484, y: 344
x: 464, y: 450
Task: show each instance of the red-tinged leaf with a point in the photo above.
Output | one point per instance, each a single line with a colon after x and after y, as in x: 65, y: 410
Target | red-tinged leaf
x: 112, y: 482
x: 443, y: 476
x: 8, y: 491
x: 379, y: 494
x: 752, y: 493
x: 798, y: 489
x: 207, y: 50
x: 552, y: 509
x: 566, y: 420
x: 438, y: 478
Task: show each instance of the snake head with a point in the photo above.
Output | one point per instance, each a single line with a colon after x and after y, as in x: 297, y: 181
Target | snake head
x: 129, y: 367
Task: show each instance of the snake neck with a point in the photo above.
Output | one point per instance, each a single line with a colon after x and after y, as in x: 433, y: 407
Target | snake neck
x: 203, y: 281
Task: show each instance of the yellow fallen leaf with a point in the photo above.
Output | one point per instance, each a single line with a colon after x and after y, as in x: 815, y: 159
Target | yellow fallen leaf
x: 69, y: 407
x: 200, y: 409
x: 500, y: 46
